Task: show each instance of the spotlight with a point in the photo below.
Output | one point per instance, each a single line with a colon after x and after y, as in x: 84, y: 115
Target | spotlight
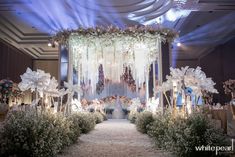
x: 49, y: 44
x: 178, y: 44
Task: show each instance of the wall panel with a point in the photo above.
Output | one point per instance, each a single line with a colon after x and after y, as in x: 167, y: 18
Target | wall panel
x: 13, y: 62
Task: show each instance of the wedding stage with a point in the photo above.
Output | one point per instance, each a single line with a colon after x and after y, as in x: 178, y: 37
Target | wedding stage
x: 104, y: 62
x: 109, y: 78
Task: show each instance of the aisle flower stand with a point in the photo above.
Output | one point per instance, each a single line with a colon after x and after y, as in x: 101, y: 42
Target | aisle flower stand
x: 6, y: 88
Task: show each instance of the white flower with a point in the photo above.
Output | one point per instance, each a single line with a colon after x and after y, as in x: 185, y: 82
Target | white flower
x: 72, y: 88
x: 52, y: 89
x: 166, y: 86
x: 188, y: 77
x: 34, y: 80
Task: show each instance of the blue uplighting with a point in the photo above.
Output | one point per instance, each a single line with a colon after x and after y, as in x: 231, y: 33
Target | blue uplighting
x: 52, y: 16
x: 216, y: 32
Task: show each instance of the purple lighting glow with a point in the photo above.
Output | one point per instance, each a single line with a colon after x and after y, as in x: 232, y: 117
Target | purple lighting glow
x: 51, y: 16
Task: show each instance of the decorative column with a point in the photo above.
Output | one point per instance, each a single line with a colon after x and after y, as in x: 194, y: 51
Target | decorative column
x: 163, y: 68
x: 63, y: 70
x: 63, y: 64
x: 70, y: 78
x: 147, y: 85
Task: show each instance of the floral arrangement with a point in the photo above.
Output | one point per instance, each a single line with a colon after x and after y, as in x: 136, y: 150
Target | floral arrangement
x: 6, y: 88
x: 86, y: 121
x: 16, y: 92
x: 229, y: 86
x: 34, y: 80
x: 136, y: 105
x: 42, y: 83
x: 179, y: 135
x: 207, y: 97
x: 109, y: 100
x: 125, y: 102
x: 26, y: 133
x: 189, y: 77
x: 142, y: 120
x: 138, y: 32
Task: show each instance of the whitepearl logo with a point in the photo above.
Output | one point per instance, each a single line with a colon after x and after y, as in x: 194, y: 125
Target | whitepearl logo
x: 217, y: 149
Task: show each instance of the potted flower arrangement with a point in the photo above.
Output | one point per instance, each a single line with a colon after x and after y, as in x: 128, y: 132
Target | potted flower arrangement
x: 6, y: 88
x: 16, y: 93
x: 229, y: 88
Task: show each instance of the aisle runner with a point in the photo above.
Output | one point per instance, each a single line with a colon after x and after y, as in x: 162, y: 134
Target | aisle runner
x: 114, y: 138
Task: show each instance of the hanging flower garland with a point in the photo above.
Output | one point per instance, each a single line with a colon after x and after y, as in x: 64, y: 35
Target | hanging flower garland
x: 100, y: 84
x: 127, y: 77
x: 138, y: 32
x: 137, y: 47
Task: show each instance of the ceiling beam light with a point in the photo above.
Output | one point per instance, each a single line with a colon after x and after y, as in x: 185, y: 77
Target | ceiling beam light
x: 178, y: 44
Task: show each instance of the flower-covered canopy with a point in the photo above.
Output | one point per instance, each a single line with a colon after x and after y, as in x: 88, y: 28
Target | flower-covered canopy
x: 136, y: 33
x: 115, y: 49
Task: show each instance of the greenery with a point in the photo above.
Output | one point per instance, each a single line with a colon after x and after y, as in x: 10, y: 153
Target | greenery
x: 104, y: 116
x: 86, y: 122
x: 132, y: 116
x: 30, y: 133
x: 74, y: 127
x: 157, y: 128
x: 98, y: 117
x: 180, y: 135
x: 142, y: 120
